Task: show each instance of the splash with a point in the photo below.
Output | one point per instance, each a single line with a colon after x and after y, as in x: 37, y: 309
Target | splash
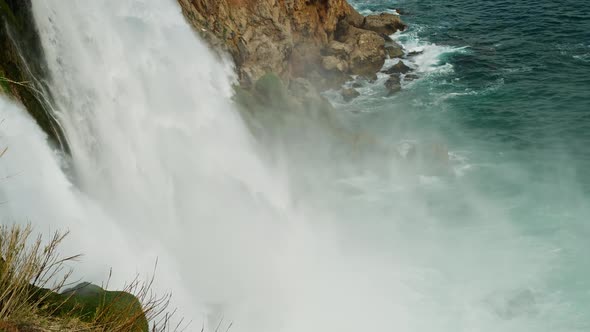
x: 164, y: 167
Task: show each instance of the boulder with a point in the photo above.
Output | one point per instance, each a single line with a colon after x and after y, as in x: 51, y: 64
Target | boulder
x: 398, y: 68
x: 332, y: 63
x: 384, y: 23
x: 338, y: 49
x: 368, y: 54
x: 91, y: 303
x: 349, y: 94
x: 393, y: 84
x: 394, y: 50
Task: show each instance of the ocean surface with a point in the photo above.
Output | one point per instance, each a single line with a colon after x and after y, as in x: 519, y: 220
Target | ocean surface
x: 472, y: 215
x: 505, y: 85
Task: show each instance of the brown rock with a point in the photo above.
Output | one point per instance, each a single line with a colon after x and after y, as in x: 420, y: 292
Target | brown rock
x: 384, y: 23
x: 394, y: 50
x: 393, y: 84
x: 398, y: 68
x: 332, y: 63
x: 368, y: 54
x: 325, y: 39
x: 338, y: 49
x: 349, y: 94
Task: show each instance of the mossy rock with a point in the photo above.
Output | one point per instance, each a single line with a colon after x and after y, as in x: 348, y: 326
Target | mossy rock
x: 271, y: 91
x: 6, y: 12
x: 22, y: 60
x: 92, y: 304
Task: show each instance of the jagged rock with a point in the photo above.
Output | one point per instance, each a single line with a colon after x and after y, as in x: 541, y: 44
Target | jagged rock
x: 349, y: 94
x: 393, y: 84
x: 338, y: 49
x: 283, y: 37
x: 355, y: 19
x: 414, y: 53
x: 384, y: 23
x: 368, y: 54
x: 292, y: 38
x: 332, y: 63
x: 398, y: 68
x: 394, y: 50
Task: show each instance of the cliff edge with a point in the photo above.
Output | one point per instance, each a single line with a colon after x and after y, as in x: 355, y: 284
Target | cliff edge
x: 324, y: 41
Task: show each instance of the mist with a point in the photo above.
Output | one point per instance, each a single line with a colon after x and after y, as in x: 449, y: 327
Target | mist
x: 305, y: 228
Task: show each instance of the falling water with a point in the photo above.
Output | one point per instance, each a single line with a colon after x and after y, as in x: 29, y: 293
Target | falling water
x: 163, y: 167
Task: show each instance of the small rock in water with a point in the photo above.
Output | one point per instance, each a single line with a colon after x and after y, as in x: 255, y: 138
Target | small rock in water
x: 357, y: 85
x: 394, y: 50
x: 384, y: 23
x: 414, y: 53
x: 411, y: 77
x: 393, y: 84
x: 349, y: 94
x: 398, y: 68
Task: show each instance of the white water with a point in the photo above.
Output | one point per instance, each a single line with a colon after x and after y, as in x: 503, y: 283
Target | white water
x: 164, y: 167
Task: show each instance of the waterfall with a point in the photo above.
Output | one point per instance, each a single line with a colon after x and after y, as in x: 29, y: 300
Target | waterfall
x: 162, y: 166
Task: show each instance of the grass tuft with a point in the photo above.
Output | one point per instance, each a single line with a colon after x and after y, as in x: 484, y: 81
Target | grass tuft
x: 33, y: 277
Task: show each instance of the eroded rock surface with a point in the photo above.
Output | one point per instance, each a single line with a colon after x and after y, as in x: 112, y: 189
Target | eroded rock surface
x: 312, y: 39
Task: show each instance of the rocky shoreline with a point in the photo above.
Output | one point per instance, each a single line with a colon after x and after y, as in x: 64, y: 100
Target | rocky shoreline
x: 325, y: 42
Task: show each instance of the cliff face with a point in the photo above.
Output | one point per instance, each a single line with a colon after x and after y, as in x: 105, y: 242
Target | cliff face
x: 323, y: 40
x: 22, y: 66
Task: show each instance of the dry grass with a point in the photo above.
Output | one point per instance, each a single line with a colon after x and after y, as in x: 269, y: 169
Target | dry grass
x: 26, y: 263
x: 32, y: 273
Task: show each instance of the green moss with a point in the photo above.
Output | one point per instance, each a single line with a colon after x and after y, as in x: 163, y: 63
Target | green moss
x: 270, y: 91
x: 4, y: 83
x: 7, y: 12
x: 92, y: 304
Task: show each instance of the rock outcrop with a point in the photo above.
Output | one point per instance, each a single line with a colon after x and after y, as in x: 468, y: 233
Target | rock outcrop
x: 324, y: 41
x: 349, y: 94
x: 22, y: 66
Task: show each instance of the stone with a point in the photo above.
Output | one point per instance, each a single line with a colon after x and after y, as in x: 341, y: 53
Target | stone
x: 338, y: 49
x: 393, y: 84
x: 332, y: 63
x: 293, y: 38
x: 368, y: 55
x: 384, y: 23
x: 394, y: 50
x: 411, y: 77
x: 398, y: 68
x: 349, y: 94
x: 414, y: 53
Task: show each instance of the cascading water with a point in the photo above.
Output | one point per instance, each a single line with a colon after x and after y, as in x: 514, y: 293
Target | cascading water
x: 164, y: 167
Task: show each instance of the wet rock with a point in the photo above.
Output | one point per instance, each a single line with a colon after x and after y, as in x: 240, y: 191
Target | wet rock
x: 393, y: 84
x: 368, y: 55
x: 357, y: 85
x: 398, y: 68
x: 414, y: 53
x: 411, y: 77
x: 394, y: 50
x: 384, y: 23
x: 349, y: 94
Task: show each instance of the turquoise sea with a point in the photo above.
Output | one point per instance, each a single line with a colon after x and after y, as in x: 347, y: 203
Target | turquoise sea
x: 462, y: 206
x: 505, y: 86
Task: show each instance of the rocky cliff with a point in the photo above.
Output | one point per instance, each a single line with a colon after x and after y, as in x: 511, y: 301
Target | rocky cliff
x: 324, y: 41
x: 22, y: 66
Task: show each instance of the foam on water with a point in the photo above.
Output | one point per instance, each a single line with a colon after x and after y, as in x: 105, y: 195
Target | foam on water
x: 164, y: 167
